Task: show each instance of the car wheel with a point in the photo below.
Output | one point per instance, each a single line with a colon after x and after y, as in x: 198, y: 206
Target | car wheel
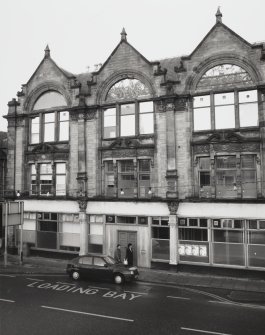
x: 118, y: 278
x: 75, y: 275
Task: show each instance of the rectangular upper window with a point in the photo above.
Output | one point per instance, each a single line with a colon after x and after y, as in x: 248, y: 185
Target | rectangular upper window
x: 129, y: 119
x: 225, y: 110
x: 63, y: 126
x: 35, y: 130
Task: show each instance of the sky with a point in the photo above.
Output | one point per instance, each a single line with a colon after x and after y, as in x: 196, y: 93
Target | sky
x: 83, y: 33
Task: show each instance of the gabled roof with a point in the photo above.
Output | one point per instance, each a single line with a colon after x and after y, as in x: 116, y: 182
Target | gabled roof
x: 218, y: 24
x: 47, y: 56
x: 123, y: 40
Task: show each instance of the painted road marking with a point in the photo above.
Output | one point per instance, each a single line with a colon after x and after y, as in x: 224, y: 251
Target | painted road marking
x: 136, y: 292
x: 2, y: 275
x: 182, y: 298
x: 35, y: 279
x: 91, y: 314
x: 6, y: 300
x: 203, y: 331
x: 237, y: 304
x: 65, y: 287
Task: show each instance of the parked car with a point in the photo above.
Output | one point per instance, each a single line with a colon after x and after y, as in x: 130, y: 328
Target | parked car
x: 100, y: 267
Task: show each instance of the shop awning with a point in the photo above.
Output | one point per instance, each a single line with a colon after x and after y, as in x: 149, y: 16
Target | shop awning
x: 221, y: 210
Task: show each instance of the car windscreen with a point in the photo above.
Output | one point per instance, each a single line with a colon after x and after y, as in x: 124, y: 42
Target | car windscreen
x: 109, y: 260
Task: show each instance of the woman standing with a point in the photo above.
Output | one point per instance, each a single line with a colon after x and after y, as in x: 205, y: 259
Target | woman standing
x: 129, y: 255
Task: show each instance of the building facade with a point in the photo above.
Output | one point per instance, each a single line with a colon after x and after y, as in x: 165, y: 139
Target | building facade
x: 167, y: 155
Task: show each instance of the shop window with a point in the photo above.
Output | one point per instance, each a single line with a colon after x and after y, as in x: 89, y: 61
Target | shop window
x: 49, y: 125
x: 47, y: 228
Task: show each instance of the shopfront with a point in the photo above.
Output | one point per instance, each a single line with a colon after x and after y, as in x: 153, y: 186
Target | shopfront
x: 222, y: 234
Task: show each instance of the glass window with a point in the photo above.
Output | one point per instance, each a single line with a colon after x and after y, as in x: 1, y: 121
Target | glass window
x: 35, y: 130
x: 193, y: 234
x: 99, y: 261
x: 224, y: 117
x: 127, y: 120
x: 248, y: 108
x: 110, y: 123
x: 146, y: 117
x: 60, y: 179
x: 201, y: 112
x: 128, y: 89
x: 85, y: 260
x: 64, y: 126
x: 49, y: 127
x: 33, y: 177
x: 46, y: 179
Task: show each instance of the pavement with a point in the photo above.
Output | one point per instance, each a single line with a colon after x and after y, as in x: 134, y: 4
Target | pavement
x: 240, y: 284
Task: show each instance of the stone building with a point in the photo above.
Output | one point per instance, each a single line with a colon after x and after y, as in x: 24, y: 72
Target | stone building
x: 3, y: 154
x: 167, y: 155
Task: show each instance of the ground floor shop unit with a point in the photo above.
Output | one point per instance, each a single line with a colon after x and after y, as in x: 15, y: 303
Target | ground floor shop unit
x: 209, y: 234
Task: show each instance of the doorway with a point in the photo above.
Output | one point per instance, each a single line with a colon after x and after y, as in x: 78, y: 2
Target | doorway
x: 124, y: 238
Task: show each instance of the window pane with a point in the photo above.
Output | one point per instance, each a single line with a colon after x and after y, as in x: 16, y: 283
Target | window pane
x: 204, y: 163
x: 248, y: 161
x: 226, y: 162
x: 146, y: 107
x: 127, y: 166
x: 64, y: 131
x: 49, y: 117
x: 201, y: 101
x: 144, y: 165
x: 35, y: 128
x: 248, y: 115
x: 248, y: 96
x: 33, y: 169
x: 225, y: 117
x: 127, y: 109
x: 146, y: 123
x: 127, y: 125
x: 49, y: 132
x: 64, y: 116
x: 60, y: 185
x: 34, y: 138
x: 45, y: 168
x: 205, y: 178
x: 60, y: 168
x: 224, y: 99
x: 202, y: 118
x: 110, y: 117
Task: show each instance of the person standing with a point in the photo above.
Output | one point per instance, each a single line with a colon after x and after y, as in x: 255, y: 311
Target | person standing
x: 129, y: 255
x: 117, y: 254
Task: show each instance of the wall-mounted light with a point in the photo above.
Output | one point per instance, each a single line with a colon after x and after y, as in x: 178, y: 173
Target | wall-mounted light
x: 234, y: 187
x: 48, y: 193
x: 150, y: 191
x: 18, y: 193
x: 122, y: 192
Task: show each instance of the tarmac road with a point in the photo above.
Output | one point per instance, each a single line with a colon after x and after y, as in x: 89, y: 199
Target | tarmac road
x: 54, y: 304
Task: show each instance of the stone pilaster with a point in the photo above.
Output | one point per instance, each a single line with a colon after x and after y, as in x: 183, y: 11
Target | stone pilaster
x: 173, y: 233
x: 83, y: 227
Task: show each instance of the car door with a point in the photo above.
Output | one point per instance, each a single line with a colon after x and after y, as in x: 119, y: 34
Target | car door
x: 101, y: 269
x: 85, y: 265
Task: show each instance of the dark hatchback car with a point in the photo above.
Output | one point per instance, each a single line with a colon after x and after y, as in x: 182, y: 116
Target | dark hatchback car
x: 100, y: 267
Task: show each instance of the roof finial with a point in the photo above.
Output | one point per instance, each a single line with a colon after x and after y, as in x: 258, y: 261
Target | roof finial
x: 218, y: 15
x: 123, y: 35
x: 47, y: 52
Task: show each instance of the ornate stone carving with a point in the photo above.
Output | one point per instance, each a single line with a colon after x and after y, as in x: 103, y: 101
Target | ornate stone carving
x: 90, y: 115
x: 180, y: 68
x: 235, y: 147
x: 180, y: 104
x: 82, y: 205
x: 173, y: 207
x: 202, y: 149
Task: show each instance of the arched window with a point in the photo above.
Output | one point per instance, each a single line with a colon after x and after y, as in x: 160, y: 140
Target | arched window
x: 221, y: 109
x: 130, y: 113
x: 127, y: 89
x: 51, y: 123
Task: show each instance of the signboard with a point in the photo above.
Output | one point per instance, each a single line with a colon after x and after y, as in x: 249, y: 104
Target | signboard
x: 14, y: 213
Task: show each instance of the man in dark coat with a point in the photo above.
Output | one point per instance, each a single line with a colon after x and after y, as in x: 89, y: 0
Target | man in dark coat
x: 129, y: 254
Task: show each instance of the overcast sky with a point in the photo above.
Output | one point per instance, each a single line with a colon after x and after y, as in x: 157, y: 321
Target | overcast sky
x: 82, y: 33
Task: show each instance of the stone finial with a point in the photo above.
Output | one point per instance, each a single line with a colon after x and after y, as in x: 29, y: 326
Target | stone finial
x: 47, y: 52
x: 123, y: 35
x: 218, y: 15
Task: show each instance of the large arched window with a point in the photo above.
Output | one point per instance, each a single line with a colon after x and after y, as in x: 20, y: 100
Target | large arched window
x: 129, y: 113
x: 225, y: 106
x: 51, y: 122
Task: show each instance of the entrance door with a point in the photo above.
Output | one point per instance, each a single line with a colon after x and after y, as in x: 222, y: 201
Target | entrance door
x: 124, y: 238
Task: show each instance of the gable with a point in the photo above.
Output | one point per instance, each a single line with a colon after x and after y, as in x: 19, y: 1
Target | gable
x: 220, y: 39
